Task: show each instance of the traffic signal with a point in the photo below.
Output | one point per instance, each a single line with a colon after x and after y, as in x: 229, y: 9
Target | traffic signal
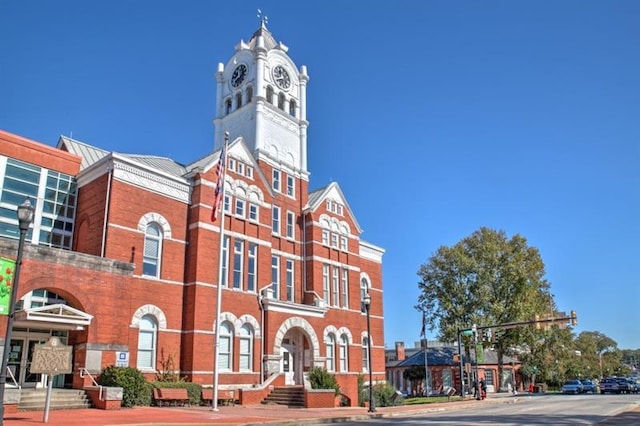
x: 574, y: 318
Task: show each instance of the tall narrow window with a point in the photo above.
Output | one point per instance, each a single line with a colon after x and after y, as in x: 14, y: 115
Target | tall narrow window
x: 246, y: 348
x: 334, y: 239
x: 227, y: 203
x: 291, y: 219
x: 343, y: 243
x: 364, y: 289
x: 365, y: 354
x: 147, y: 343
x: 289, y: 279
x: 225, y: 350
x: 225, y: 262
x: 275, y: 276
x: 345, y: 288
x: 336, y: 286
x: 251, y: 267
x: 292, y: 108
x: 325, y: 284
x: 275, y: 183
x: 281, y: 101
x: 325, y: 237
x: 270, y: 94
x: 331, y: 352
x: 290, y: 186
x: 249, y: 94
x: 227, y: 106
x: 344, y: 354
x: 253, y: 212
x: 152, y: 250
x: 238, y: 100
x: 238, y: 247
x: 275, y: 220
x: 239, y: 207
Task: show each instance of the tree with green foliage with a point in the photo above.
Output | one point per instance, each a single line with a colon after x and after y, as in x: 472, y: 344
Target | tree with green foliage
x: 322, y: 379
x: 136, y: 391
x: 415, y: 375
x: 484, y: 279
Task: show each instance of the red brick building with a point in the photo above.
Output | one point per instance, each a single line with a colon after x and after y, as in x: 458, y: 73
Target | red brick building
x: 123, y: 260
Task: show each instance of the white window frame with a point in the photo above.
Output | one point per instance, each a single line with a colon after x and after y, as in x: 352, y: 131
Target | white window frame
x: 226, y: 205
x: 225, y: 261
x: 289, y: 279
x: 249, y: 172
x: 254, y: 212
x: 344, y: 353
x: 343, y: 243
x: 290, y: 230
x: 325, y: 284
x: 334, y: 240
x: 275, y: 276
x: 275, y: 220
x: 276, y: 183
x: 365, y: 353
x: 147, y: 343
x: 240, y: 205
x: 152, y: 260
x: 331, y: 353
x: 335, y: 285
x: 240, y: 168
x: 291, y: 188
x: 238, y: 263
x: 364, y: 289
x: 252, y: 267
x: 325, y: 237
x: 226, y: 347
x: 245, y: 347
x: 345, y: 288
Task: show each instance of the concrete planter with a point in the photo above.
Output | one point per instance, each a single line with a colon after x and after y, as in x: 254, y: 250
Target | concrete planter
x: 111, y: 397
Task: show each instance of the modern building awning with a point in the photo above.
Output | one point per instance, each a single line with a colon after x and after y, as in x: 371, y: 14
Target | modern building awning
x: 56, y: 317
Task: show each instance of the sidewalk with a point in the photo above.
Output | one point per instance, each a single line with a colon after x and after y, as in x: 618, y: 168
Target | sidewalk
x: 230, y: 415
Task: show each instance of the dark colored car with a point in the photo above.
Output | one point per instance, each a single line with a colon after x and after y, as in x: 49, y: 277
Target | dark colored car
x: 609, y: 385
x: 589, y: 386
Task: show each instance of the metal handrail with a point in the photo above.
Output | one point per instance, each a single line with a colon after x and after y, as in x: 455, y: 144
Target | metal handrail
x: 13, y: 379
x: 84, y: 372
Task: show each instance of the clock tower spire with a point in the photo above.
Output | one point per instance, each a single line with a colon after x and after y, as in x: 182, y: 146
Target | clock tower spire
x: 261, y: 97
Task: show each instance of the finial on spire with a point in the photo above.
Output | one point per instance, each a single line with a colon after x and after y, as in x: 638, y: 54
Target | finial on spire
x: 263, y: 19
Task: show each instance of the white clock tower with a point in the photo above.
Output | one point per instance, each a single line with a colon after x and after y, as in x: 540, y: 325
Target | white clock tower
x: 261, y: 97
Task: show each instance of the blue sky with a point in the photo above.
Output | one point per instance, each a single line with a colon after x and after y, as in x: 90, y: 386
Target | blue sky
x: 435, y: 117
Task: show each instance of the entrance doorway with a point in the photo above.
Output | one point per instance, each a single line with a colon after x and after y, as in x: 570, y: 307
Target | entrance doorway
x: 21, y: 352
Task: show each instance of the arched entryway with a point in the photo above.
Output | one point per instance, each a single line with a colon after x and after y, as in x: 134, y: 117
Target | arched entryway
x: 296, y: 349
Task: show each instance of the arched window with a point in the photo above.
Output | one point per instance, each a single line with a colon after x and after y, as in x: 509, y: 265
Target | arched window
x: 225, y: 351
x: 365, y: 354
x: 292, y: 108
x: 227, y: 106
x: 249, y: 95
x: 270, y: 94
x: 364, y: 289
x: 331, y: 352
x: 281, y: 101
x: 147, y: 343
x: 152, y: 250
x: 246, y: 348
x: 344, y: 354
x: 238, y: 100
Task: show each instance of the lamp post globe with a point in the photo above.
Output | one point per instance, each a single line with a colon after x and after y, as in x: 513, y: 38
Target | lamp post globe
x: 367, y: 307
x: 25, y: 217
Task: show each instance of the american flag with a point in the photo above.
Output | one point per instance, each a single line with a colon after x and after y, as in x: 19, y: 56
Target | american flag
x: 220, y: 169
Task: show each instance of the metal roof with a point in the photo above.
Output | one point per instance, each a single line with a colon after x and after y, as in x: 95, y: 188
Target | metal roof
x: 89, y: 154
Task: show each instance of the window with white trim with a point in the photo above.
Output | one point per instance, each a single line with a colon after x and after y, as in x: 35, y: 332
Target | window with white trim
x: 364, y: 289
x: 227, y: 203
x: 246, y: 347
x: 290, y: 186
x: 289, y: 279
x: 345, y: 288
x: 336, y: 286
x: 275, y: 276
x: 239, y: 207
x: 343, y: 243
x: 325, y: 237
x: 334, y: 240
x: 252, y: 267
x: 365, y: 354
x: 253, y: 212
x: 152, y: 250
x: 275, y: 220
x: 238, y: 254
x: 331, y: 352
x: 291, y: 219
x: 225, y: 351
x: 225, y: 261
x: 344, y: 354
x: 249, y: 172
x: 232, y: 164
x: 147, y: 343
x: 276, y: 180
x: 325, y: 284
x: 240, y: 168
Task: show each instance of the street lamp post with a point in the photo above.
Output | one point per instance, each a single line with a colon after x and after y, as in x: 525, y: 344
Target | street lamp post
x: 367, y: 307
x: 25, y: 217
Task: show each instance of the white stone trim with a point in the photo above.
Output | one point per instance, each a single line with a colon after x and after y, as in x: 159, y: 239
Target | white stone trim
x: 149, y: 309
x: 155, y: 218
x: 297, y: 322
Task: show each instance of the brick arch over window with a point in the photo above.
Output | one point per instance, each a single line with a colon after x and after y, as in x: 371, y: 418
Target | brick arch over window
x: 293, y: 323
x: 149, y: 310
x: 155, y: 218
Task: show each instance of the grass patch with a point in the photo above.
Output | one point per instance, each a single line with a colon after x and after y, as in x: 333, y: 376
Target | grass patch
x: 430, y: 399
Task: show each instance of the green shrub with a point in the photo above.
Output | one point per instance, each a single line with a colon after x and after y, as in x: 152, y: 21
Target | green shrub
x: 321, y: 379
x: 385, y: 395
x: 136, y: 391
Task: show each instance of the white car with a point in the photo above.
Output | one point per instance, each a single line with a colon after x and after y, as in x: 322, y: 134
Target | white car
x: 573, y: 386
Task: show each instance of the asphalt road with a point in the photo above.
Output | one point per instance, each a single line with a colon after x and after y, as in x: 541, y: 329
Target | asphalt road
x: 539, y: 410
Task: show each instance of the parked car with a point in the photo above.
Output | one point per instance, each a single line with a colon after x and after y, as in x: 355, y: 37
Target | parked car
x: 573, y: 386
x: 589, y: 386
x: 632, y: 385
x: 609, y: 385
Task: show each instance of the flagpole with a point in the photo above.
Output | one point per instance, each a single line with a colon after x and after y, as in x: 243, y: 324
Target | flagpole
x: 426, y: 362
x: 223, y: 157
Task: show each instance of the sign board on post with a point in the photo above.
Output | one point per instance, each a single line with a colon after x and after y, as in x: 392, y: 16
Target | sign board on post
x: 7, y: 269
x: 52, y: 358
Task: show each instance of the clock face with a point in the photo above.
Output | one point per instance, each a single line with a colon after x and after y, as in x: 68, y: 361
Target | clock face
x: 238, y: 75
x: 281, y: 77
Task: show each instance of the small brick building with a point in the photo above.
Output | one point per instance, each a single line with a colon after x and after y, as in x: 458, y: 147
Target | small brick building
x: 124, y: 262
